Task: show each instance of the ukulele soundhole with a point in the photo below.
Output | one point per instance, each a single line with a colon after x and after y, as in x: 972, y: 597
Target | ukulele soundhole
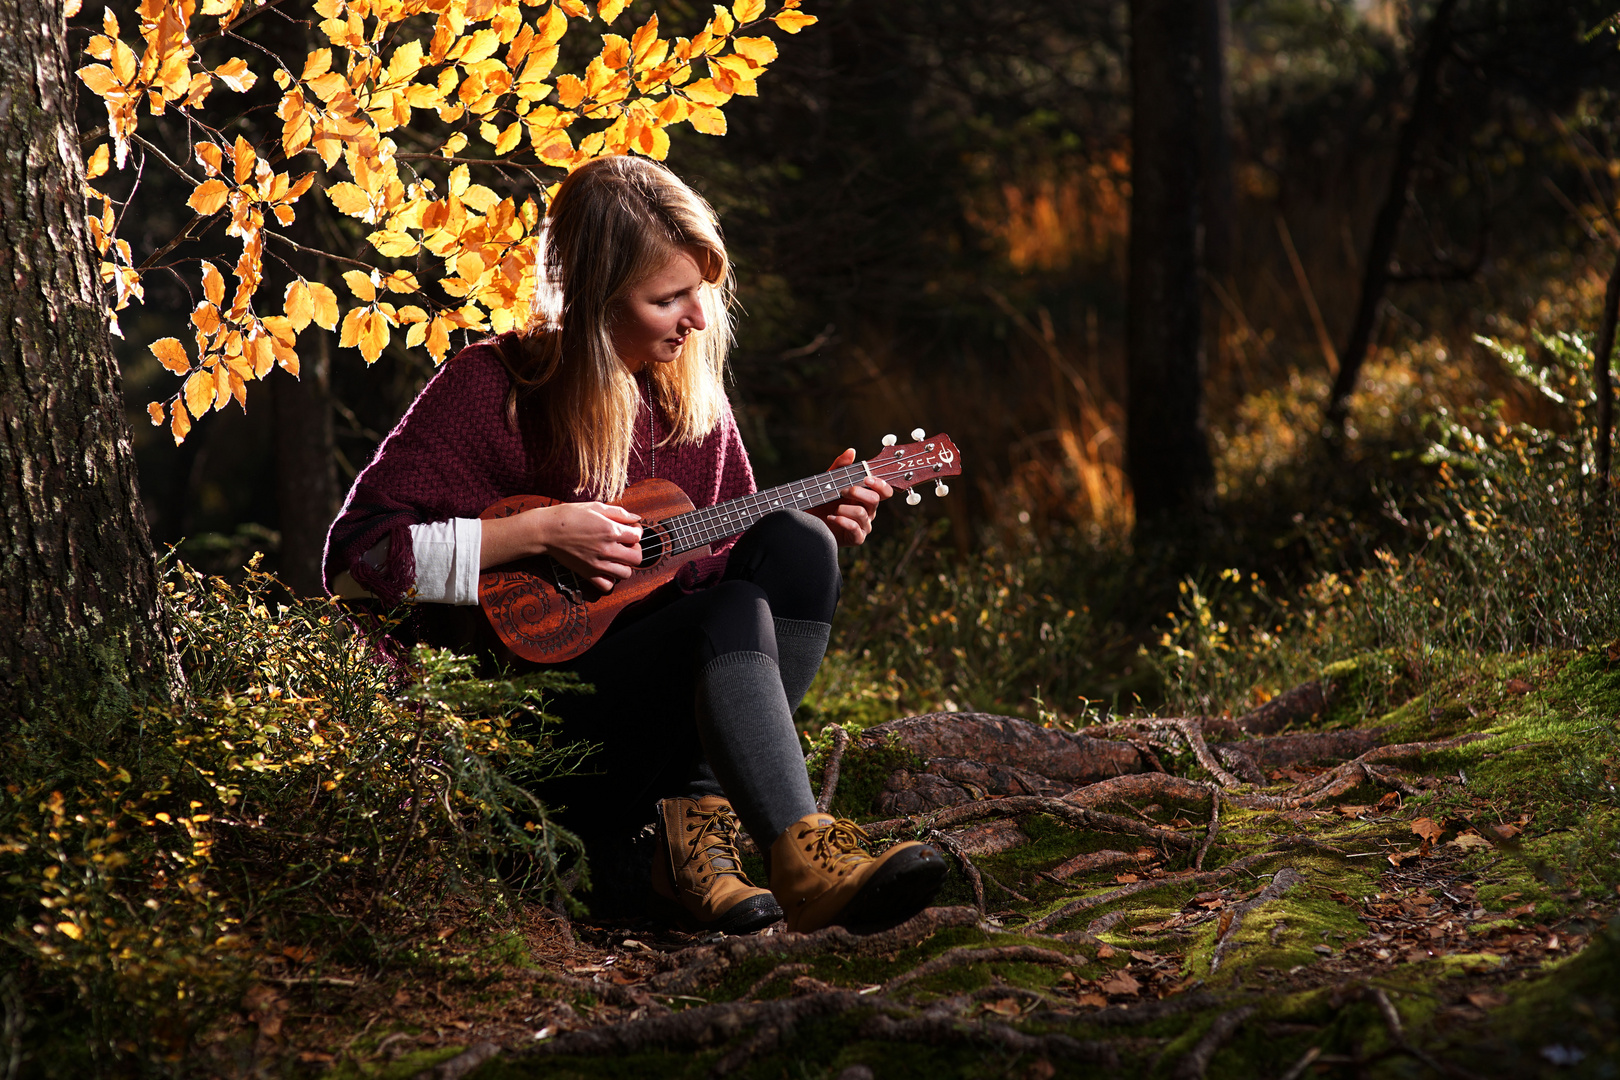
x: 654, y: 545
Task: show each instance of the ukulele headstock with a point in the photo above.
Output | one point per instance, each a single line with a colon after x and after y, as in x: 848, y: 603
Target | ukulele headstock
x: 906, y: 465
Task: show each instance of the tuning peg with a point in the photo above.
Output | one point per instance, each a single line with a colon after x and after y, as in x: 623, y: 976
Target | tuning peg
x: 912, y: 498
x: 918, y: 433
x: 941, y: 488
x: 889, y: 440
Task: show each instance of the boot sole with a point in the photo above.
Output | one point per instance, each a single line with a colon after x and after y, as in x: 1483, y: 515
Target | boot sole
x: 743, y: 917
x: 899, y: 889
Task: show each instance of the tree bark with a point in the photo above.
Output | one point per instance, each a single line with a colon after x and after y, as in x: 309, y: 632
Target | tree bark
x: 78, y: 579
x: 1167, y: 448
x: 1215, y: 94
x: 1387, y: 226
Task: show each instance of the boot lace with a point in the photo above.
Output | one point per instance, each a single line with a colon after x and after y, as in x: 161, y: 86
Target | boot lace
x: 716, y: 842
x: 842, y: 842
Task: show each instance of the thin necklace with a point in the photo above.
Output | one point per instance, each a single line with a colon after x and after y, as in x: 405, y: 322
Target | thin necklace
x: 652, y: 434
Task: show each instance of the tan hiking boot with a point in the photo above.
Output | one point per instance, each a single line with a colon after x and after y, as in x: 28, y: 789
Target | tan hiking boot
x: 697, y: 875
x: 822, y: 874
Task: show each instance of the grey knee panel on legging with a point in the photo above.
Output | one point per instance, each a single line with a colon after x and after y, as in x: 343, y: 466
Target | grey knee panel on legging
x: 801, y: 644
x: 748, y: 738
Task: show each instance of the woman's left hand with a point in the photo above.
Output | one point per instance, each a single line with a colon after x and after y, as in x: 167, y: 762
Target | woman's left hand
x: 851, y: 517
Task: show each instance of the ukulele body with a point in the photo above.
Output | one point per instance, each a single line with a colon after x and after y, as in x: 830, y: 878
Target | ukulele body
x: 545, y: 613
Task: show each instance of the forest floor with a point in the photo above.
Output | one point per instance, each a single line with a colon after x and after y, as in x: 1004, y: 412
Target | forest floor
x: 1306, y: 891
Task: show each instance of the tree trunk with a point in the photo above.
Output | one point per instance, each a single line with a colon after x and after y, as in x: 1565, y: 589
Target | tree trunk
x: 1215, y: 129
x: 1602, y: 358
x: 78, y: 580
x: 306, y: 480
x: 1387, y: 226
x: 1167, y: 448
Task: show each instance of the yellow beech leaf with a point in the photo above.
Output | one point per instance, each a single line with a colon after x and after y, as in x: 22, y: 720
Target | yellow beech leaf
x: 576, y: 8
x: 155, y: 410
x: 350, y: 334
x: 393, y: 244
x: 410, y: 313
x: 705, y: 92
x: 326, y: 306
x: 199, y: 392
x: 438, y: 338
x: 213, y: 284
x: 206, y: 317
x: 509, y: 139
x: 401, y: 281
x: 244, y: 157
x: 416, y: 335
x: 179, y: 424
x: 234, y: 73
x: 550, y: 27
x: 222, y: 387
x: 298, y: 305
x: 209, y: 156
x: 373, y: 335
x: 97, y: 165
x: 608, y: 10
x: 793, y: 21
x: 259, y: 351
x: 708, y: 119
x: 359, y: 283
x: 746, y: 11
x: 349, y: 198
x: 570, y: 91
x: 208, y: 197
x: 317, y: 64
x: 172, y: 355
x: 758, y: 49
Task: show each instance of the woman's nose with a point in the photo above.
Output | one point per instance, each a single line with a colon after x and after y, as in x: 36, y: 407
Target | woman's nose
x: 693, y: 319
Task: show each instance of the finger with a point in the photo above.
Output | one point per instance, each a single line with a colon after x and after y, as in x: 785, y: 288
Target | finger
x: 627, y: 534
x: 618, y: 513
x: 846, y: 458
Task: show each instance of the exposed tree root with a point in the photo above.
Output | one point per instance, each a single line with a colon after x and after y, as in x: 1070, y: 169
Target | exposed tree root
x: 944, y: 1029
x: 1086, y: 903
x: 1191, y: 732
x: 1286, y: 879
x: 969, y: 871
x: 1280, y: 750
x: 954, y: 958
x: 1240, y: 763
x: 1196, y: 1062
x: 612, y: 993
x: 780, y: 972
x: 1342, y: 779
x: 1299, y: 705
x: 1006, y: 740
x: 1064, y: 811
x: 1214, y: 828
x: 693, y: 967
x: 462, y: 1064
x: 990, y: 838
x: 705, y: 1025
x: 829, y: 775
x: 1092, y: 861
x: 1134, y: 787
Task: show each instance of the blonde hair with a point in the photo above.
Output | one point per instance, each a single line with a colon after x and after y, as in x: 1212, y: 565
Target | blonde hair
x: 613, y: 223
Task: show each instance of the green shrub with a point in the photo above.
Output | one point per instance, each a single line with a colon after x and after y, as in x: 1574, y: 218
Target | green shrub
x: 307, y: 795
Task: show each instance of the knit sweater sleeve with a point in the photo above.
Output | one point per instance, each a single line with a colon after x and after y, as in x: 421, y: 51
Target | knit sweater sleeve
x: 443, y: 460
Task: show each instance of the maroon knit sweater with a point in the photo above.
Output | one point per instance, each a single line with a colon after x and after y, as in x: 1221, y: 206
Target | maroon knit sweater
x: 454, y: 454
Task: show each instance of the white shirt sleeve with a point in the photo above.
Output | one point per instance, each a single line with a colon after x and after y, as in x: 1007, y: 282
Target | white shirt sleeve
x: 447, y: 557
x: 447, y: 553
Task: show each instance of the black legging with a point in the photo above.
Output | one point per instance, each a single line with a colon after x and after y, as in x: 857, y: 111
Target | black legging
x: 645, y: 672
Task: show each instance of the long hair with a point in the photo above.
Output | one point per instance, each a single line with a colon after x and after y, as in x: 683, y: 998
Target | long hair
x: 613, y: 223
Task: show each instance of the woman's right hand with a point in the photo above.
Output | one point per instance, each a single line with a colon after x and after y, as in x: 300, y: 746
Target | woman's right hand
x: 598, y: 541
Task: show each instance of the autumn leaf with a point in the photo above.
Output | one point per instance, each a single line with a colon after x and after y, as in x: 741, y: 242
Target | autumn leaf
x: 360, y: 283
x: 325, y: 304
x: 608, y: 10
x: 234, y: 73
x: 179, y: 424
x: 793, y: 21
x: 97, y: 163
x: 1428, y: 829
x: 746, y: 11
x: 172, y: 355
x: 199, y: 392
x: 209, y: 197
x: 154, y: 409
x: 213, y: 284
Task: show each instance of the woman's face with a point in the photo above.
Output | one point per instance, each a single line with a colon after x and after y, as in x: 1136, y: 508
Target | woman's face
x: 656, y: 316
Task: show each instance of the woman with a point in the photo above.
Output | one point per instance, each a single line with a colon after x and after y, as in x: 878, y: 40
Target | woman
x: 620, y: 378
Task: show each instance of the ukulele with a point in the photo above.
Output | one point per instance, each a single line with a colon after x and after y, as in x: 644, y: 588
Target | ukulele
x: 546, y: 613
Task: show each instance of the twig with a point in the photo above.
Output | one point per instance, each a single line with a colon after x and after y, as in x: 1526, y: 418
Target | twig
x: 969, y: 871
x: 835, y: 759
x: 1014, y: 893
x: 1144, y: 748
x: 1196, y: 1062
x: 1304, y: 1062
x: 631, y: 996
x: 948, y: 1029
x: 1214, y: 827
x: 1397, y: 1033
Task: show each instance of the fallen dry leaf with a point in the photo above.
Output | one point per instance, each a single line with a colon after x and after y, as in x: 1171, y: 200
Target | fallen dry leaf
x: 1469, y: 842
x: 1094, y: 1000
x: 1121, y: 984
x: 1125, y: 879
x: 1487, y: 999
x: 1106, y: 951
x: 1352, y: 811
x: 1518, y: 686
x: 1002, y: 1007
x: 1428, y: 828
